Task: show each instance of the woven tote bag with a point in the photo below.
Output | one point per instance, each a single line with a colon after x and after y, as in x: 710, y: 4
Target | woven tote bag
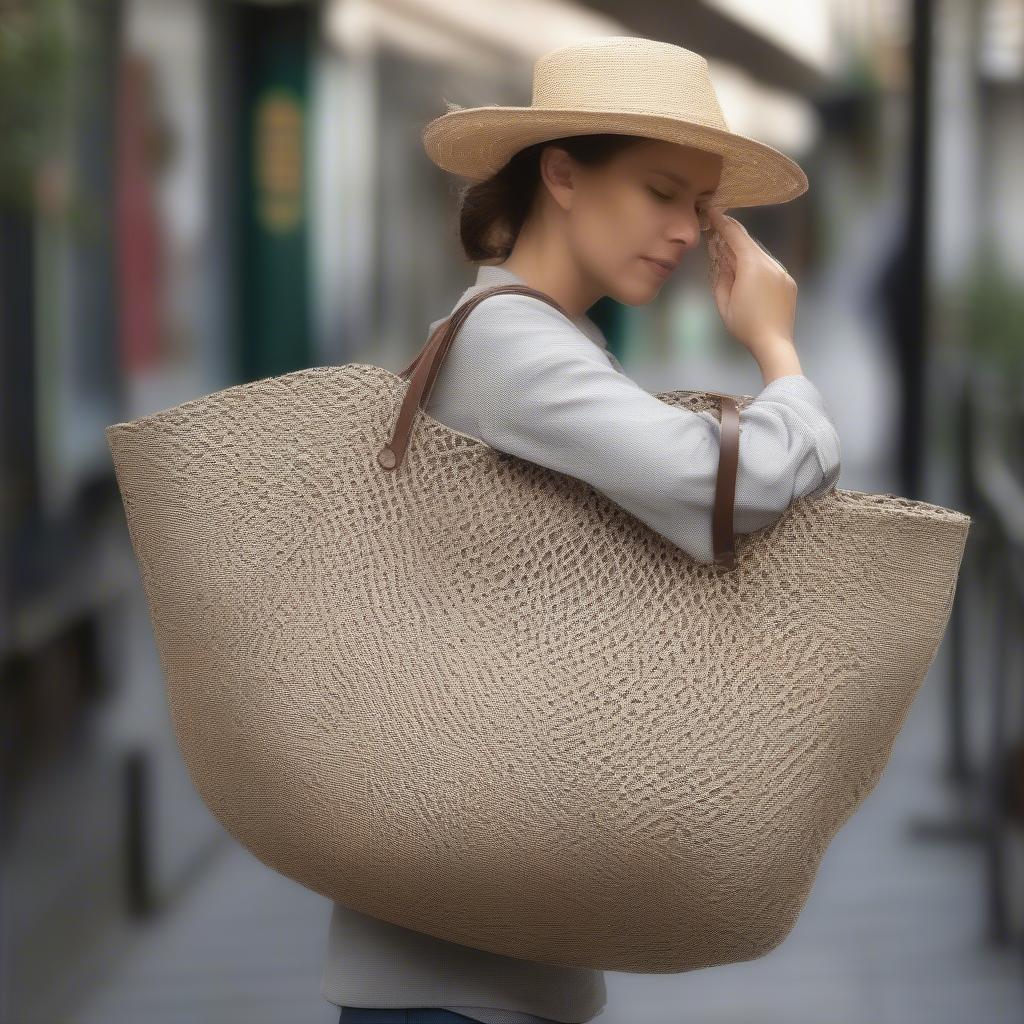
x: 472, y: 696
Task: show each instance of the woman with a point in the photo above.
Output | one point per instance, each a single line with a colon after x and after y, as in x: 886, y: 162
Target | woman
x: 580, y: 216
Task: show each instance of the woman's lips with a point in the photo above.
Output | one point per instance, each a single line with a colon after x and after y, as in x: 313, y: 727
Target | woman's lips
x: 658, y: 268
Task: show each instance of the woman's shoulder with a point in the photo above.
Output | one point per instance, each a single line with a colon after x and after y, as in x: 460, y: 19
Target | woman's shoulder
x: 510, y: 321
x: 513, y: 308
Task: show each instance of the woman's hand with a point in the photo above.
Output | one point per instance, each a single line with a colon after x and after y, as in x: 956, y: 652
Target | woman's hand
x: 755, y: 295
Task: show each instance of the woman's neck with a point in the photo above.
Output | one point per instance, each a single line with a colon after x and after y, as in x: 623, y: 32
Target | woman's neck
x: 551, y: 270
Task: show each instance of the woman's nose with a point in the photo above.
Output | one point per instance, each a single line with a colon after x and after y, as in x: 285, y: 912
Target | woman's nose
x: 686, y: 231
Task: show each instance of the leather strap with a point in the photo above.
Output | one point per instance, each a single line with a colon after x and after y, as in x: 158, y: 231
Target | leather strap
x: 423, y: 372
x: 723, y: 539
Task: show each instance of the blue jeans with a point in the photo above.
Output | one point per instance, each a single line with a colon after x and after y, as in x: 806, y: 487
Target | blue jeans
x: 401, y: 1015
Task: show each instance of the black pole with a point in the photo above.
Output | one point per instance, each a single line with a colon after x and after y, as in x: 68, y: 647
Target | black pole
x: 913, y: 326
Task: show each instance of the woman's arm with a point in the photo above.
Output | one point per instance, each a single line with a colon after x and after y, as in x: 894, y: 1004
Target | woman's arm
x: 541, y: 390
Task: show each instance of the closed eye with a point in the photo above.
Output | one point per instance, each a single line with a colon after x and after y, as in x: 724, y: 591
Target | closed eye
x: 698, y: 205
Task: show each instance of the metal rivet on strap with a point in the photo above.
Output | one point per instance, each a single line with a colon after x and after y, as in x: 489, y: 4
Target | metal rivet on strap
x: 387, y: 458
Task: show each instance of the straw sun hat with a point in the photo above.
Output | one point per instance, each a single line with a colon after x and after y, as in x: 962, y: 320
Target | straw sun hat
x: 625, y: 85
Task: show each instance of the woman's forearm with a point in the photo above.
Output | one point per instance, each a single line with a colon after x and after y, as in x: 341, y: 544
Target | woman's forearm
x: 777, y: 358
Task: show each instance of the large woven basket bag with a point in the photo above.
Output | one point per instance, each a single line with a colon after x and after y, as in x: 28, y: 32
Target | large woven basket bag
x: 472, y: 696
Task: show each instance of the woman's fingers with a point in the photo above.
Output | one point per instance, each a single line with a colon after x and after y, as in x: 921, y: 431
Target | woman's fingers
x: 721, y: 269
x: 737, y: 236
x: 731, y: 230
x: 769, y: 255
x: 721, y: 265
x: 720, y: 250
x: 717, y: 247
x: 721, y: 286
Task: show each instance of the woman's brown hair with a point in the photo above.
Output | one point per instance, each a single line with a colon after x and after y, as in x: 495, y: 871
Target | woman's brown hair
x: 492, y: 212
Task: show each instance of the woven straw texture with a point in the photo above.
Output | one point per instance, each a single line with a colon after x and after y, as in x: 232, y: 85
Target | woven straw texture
x: 475, y: 698
x: 617, y: 84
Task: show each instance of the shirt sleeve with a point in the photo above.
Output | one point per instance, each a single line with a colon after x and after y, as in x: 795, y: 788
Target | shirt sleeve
x: 545, y: 393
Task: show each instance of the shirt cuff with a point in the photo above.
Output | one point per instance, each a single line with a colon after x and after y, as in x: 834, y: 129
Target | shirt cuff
x: 796, y: 385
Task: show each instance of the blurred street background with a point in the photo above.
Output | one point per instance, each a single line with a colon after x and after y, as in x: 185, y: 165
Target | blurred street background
x: 196, y: 193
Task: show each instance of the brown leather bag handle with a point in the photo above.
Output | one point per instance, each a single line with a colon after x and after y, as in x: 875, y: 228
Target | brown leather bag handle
x: 722, y: 534
x: 425, y: 365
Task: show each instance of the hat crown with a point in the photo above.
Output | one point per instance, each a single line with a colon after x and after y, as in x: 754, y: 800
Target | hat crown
x: 628, y: 73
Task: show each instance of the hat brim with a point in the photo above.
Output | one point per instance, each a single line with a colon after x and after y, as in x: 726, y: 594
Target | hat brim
x: 476, y: 142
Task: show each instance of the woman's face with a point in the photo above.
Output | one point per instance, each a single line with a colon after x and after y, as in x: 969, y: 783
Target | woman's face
x: 644, y: 203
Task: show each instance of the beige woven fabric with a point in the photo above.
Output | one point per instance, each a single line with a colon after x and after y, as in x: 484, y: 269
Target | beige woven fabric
x: 476, y: 698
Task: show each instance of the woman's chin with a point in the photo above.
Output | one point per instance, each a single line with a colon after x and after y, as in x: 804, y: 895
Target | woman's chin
x: 636, y: 294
